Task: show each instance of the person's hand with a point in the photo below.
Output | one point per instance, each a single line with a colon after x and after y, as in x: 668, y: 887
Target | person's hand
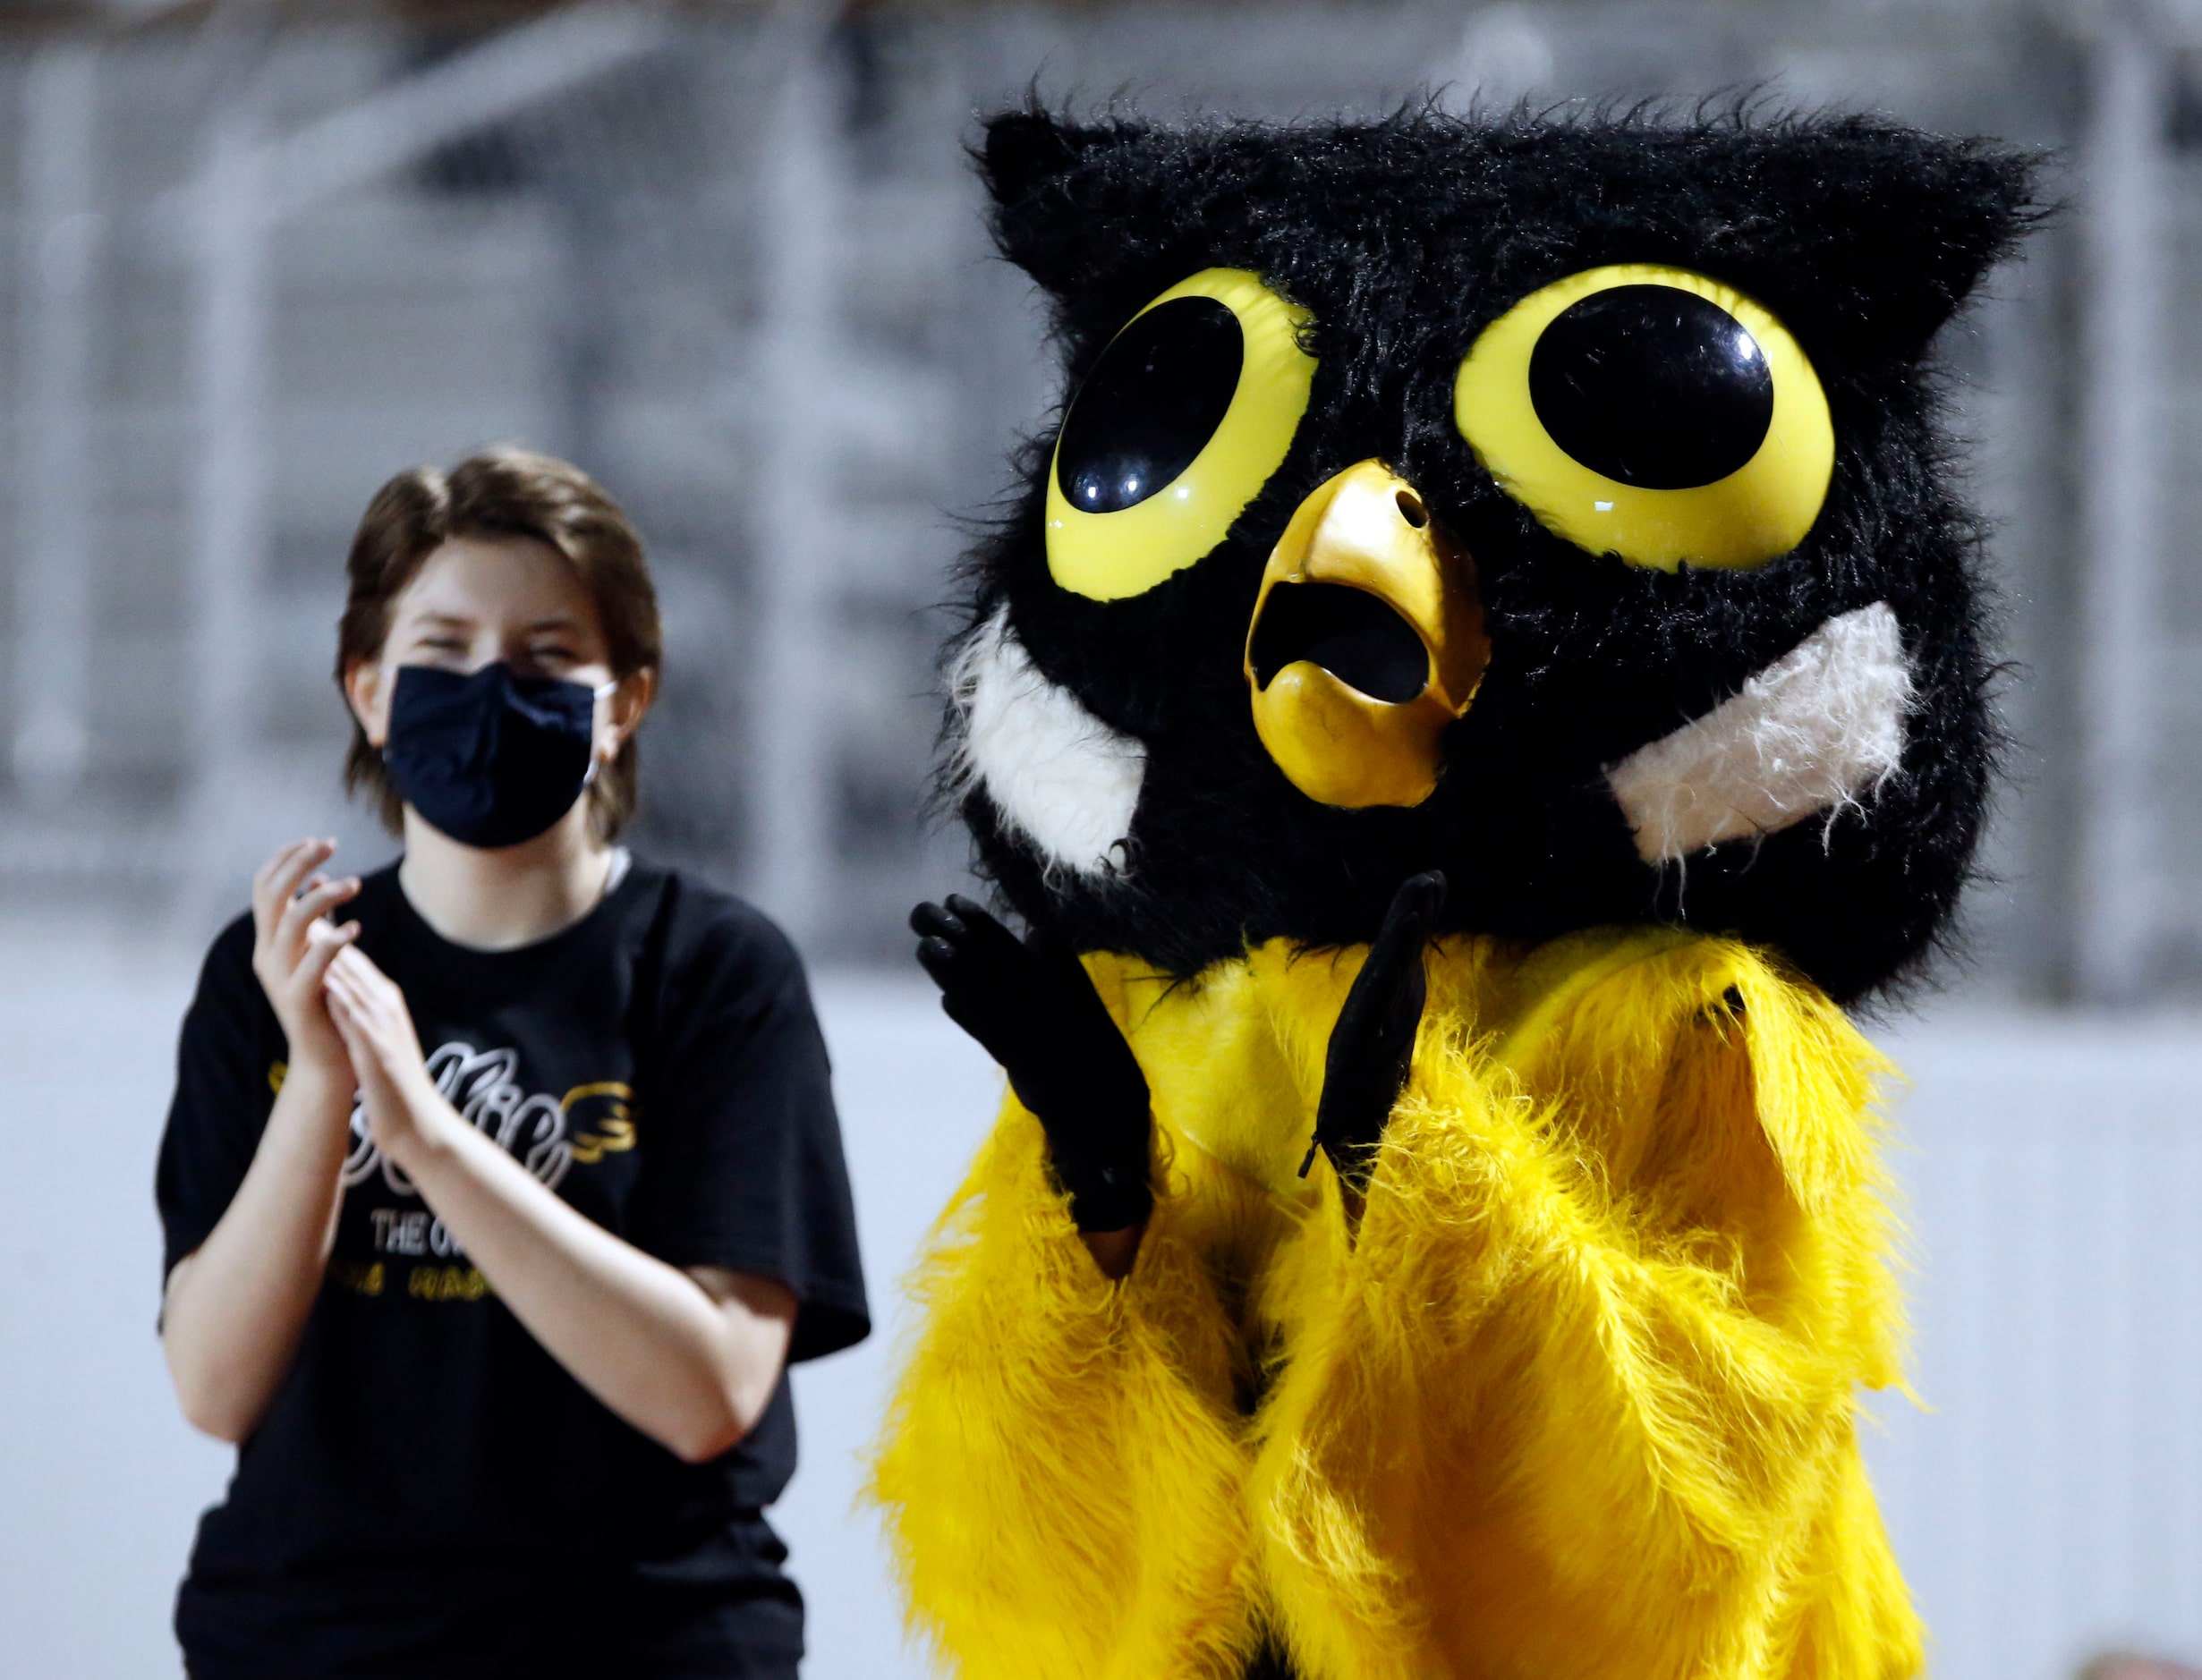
x: 1373, y: 1046
x: 1031, y: 1007
x: 293, y: 947
x: 405, y: 1110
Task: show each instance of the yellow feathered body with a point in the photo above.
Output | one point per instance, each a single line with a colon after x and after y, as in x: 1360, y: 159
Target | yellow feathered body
x: 1575, y: 1399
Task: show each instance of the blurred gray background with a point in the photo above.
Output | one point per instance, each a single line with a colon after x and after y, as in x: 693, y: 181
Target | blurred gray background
x: 256, y: 257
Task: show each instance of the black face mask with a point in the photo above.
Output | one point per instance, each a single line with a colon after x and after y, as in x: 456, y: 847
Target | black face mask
x: 491, y: 759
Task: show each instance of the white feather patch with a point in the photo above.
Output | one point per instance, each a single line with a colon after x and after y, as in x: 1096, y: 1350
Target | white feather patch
x: 1813, y: 731
x: 1050, y: 767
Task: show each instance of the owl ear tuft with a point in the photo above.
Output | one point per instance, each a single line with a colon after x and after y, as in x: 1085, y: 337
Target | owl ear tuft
x: 1023, y: 149
x: 1898, y: 227
x: 1048, y: 195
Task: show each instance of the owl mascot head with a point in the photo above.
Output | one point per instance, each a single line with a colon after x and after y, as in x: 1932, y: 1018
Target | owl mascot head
x: 1486, y: 667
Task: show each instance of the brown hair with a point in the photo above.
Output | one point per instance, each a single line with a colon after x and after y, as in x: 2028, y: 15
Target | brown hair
x: 498, y: 494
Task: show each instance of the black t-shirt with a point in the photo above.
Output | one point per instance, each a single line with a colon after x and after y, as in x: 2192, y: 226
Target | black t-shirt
x: 429, y: 1492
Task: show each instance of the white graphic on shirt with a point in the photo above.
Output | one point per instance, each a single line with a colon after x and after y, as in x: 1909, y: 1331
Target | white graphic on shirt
x: 480, y: 1085
x: 398, y: 1231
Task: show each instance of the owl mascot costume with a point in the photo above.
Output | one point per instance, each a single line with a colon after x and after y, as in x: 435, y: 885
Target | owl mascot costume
x: 1484, y: 673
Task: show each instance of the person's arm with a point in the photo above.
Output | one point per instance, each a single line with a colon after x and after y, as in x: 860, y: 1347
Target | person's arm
x: 234, y: 1308
x: 690, y: 1358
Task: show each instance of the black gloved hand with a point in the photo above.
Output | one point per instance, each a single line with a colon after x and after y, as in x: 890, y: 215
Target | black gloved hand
x: 1373, y: 1045
x: 1032, y: 1007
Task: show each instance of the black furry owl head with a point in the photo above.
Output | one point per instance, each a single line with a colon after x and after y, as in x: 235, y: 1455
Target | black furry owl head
x: 1560, y: 505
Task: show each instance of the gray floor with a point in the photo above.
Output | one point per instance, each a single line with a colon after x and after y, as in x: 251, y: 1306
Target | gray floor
x: 2050, y: 1504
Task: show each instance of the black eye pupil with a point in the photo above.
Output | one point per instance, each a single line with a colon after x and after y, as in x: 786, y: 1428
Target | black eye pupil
x: 1152, y: 402
x: 1653, y: 385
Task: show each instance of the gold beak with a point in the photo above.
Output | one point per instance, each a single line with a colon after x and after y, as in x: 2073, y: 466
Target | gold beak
x: 1367, y: 640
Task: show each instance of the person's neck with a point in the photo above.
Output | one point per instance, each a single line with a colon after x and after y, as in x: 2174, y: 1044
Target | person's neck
x: 501, y: 899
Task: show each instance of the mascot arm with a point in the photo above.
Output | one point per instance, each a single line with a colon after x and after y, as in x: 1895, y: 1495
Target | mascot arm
x: 1579, y: 1398
x: 1062, y: 1469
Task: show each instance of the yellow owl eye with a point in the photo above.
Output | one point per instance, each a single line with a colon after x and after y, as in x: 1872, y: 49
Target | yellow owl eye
x: 1651, y: 413
x: 1180, y: 425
